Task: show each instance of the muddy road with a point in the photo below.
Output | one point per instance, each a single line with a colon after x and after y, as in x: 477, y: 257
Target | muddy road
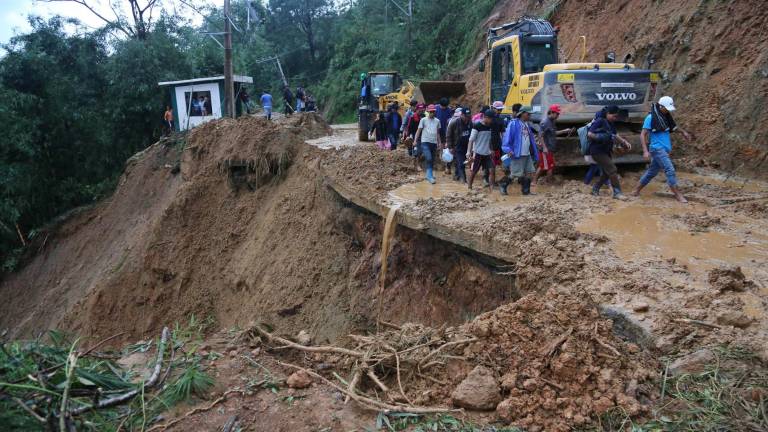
x: 652, y: 259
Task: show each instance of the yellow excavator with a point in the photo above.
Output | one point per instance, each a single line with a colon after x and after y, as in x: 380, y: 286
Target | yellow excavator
x: 378, y: 90
x: 521, y: 65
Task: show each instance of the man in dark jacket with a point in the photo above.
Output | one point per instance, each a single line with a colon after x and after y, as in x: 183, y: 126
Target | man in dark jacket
x: 602, y: 137
x: 443, y: 112
x: 394, y: 122
x: 287, y: 101
x: 457, y: 137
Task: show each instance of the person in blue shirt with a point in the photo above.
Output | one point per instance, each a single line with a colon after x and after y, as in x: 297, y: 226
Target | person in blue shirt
x: 656, y: 128
x: 266, y: 103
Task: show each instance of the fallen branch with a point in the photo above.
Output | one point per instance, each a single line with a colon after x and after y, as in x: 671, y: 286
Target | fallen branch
x: 133, y: 393
x: 376, y: 380
x: 372, y: 403
x: 320, y: 349
x: 352, y: 385
x: 697, y: 322
x: 221, y: 399
x: 100, y: 343
x: 446, y: 345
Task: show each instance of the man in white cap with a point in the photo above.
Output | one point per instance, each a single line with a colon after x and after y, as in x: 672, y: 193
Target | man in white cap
x: 656, y: 128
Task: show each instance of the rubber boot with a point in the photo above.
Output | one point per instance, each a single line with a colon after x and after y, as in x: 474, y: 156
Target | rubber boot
x: 430, y: 178
x: 503, y: 187
x: 617, y: 194
x: 525, y: 183
x: 596, y: 189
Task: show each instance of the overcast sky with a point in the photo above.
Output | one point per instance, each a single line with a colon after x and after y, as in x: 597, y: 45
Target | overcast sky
x: 13, y: 13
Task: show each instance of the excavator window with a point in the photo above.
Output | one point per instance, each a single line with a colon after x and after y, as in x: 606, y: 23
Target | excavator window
x: 536, y: 55
x: 502, y: 72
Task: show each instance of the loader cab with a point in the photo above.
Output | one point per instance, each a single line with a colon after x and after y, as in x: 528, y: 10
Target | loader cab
x: 384, y: 82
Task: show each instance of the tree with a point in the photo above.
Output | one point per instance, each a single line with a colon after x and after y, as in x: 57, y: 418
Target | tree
x: 137, y: 26
x: 303, y: 15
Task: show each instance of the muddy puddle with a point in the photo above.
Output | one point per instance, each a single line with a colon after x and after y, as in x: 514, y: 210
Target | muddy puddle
x: 446, y: 186
x: 640, y: 231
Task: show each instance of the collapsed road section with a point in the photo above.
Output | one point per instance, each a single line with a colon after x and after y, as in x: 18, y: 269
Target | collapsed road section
x: 545, y: 312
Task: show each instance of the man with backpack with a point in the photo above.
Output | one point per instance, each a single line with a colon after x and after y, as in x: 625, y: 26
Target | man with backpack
x: 479, y: 151
x: 602, y: 138
x: 287, y: 101
x: 444, y: 113
x: 657, y: 128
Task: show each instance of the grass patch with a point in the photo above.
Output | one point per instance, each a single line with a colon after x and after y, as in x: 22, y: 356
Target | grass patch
x: 439, y: 423
x: 730, y: 394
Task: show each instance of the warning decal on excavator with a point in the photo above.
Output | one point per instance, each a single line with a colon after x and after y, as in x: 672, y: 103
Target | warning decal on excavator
x: 655, y: 77
x: 569, y: 77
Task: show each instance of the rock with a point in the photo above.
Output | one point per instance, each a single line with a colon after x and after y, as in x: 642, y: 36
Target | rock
x: 303, y: 338
x: 478, y: 391
x: 728, y: 278
x: 299, y: 380
x: 640, y: 307
x: 694, y: 362
x: 233, y: 353
x: 255, y: 352
x: 735, y: 319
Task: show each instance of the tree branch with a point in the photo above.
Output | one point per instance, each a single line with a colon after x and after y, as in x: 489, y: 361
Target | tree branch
x: 116, y: 24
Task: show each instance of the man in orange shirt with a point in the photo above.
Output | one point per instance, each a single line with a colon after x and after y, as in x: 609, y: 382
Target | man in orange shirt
x: 168, y: 119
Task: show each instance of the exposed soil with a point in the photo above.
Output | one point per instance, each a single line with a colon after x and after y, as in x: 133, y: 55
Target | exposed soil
x: 713, y: 55
x: 576, y: 298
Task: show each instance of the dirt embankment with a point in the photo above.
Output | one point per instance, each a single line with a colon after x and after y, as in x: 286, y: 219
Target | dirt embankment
x: 238, y: 225
x: 714, y: 56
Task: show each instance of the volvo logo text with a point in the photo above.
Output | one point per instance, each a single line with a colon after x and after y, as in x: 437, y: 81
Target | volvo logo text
x: 616, y: 96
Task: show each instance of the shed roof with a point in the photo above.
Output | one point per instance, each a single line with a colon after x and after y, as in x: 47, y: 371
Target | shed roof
x: 235, y: 78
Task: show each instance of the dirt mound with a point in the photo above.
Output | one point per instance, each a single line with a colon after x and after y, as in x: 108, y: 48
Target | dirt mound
x: 428, y: 208
x: 234, y: 223
x: 559, y: 363
x: 542, y: 363
x: 371, y: 169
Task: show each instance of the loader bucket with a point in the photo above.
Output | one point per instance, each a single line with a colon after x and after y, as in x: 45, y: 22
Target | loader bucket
x: 432, y: 91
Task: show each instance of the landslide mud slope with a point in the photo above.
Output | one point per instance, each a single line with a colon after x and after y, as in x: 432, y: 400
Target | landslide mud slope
x: 714, y: 56
x: 182, y: 236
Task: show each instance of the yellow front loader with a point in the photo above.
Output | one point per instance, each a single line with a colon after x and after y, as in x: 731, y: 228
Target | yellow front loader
x: 379, y: 90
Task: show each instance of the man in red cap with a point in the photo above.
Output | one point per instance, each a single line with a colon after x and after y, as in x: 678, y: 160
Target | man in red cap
x: 548, y: 134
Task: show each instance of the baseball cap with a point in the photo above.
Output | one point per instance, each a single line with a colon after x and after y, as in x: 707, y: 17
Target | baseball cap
x: 466, y: 111
x: 667, y: 103
x: 555, y: 108
x: 489, y: 113
x: 420, y: 106
x: 499, y: 105
x: 457, y: 113
x: 431, y: 108
x: 612, y: 109
x: 524, y: 109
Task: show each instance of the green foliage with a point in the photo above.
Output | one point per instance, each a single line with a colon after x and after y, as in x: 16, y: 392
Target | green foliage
x: 440, y: 423
x: 23, y: 363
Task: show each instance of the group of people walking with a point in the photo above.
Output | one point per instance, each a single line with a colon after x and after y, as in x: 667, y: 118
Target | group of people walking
x: 438, y: 133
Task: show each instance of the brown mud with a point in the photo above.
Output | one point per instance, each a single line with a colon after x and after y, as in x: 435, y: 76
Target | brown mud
x: 572, y: 298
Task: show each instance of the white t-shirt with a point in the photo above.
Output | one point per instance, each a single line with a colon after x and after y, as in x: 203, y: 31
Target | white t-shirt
x: 525, y: 147
x: 429, y: 128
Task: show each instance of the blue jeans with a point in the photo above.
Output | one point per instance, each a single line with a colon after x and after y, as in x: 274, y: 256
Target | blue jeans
x: 429, y: 149
x: 660, y: 160
x: 393, y: 137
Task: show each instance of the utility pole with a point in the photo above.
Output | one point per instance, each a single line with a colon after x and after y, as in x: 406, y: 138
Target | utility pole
x: 229, y: 88
x: 408, y: 13
x: 280, y: 68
